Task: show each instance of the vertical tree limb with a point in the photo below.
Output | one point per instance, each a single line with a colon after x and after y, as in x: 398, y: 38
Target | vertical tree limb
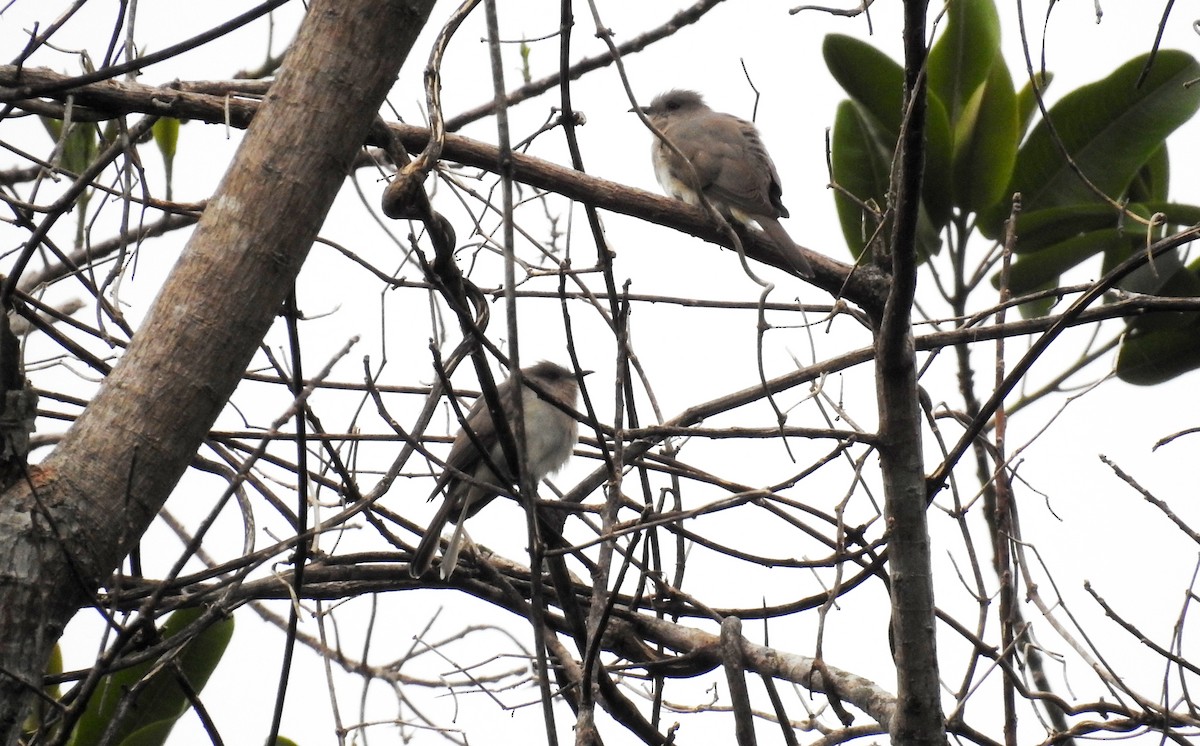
x: 66, y: 527
x: 919, y: 717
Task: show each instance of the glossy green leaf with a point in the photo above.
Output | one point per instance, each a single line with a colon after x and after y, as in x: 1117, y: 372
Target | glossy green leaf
x: 986, y: 144
x: 1041, y: 228
x: 1177, y: 214
x: 1161, y: 346
x: 938, y: 193
x: 860, y: 167
x: 875, y: 82
x: 929, y: 235
x: 1153, y: 178
x: 160, y: 699
x: 1052, y: 241
x: 1151, y: 277
x: 963, y: 56
x: 870, y: 78
x: 1027, y: 102
x: 1037, y: 270
x: 1154, y: 358
x: 1110, y: 128
x: 1178, y: 282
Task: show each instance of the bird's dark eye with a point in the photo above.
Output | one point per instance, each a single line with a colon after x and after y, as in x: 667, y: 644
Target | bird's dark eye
x: 672, y: 105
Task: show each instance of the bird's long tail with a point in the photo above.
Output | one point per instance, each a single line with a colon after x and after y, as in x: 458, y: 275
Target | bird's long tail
x: 786, y: 246
x: 422, y: 558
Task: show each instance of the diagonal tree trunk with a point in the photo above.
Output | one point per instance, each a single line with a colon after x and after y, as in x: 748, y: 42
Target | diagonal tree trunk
x: 65, y: 529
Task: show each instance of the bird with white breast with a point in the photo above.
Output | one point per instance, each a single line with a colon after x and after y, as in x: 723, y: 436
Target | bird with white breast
x: 722, y: 157
x: 470, y: 480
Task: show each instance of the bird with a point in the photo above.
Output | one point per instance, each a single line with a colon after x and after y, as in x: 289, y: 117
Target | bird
x: 729, y: 166
x: 550, y: 436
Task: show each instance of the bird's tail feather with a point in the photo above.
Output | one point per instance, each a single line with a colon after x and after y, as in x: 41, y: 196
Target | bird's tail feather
x: 422, y: 558
x: 450, y: 556
x: 786, y: 246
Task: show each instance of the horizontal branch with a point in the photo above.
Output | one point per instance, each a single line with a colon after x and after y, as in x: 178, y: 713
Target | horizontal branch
x: 697, y: 650
x: 862, y: 286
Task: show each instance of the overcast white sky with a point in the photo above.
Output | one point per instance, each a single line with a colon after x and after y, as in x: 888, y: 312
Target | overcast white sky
x: 1129, y: 551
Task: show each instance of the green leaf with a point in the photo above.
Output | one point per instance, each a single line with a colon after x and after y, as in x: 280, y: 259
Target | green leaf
x: 1152, y: 179
x: 985, y: 145
x: 53, y: 127
x: 79, y: 148
x: 1050, y: 242
x: 1149, y: 278
x: 870, y: 78
x: 1154, y: 358
x: 963, y: 56
x: 161, y: 699
x: 1110, y: 128
x: 154, y: 734
x: 938, y: 187
x: 1039, y: 269
x: 861, y: 167
x: 876, y: 83
x: 1037, y: 308
x: 1177, y: 214
x: 166, y: 137
x: 929, y: 236
x: 1027, y: 103
x: 36, y: 716
x: 54, y: 667
x: 1161, y: 346
x: 1041, y: 228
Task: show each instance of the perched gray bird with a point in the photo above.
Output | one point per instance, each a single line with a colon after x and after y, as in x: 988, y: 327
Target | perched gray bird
x: 729, y: 165
x: 550, y: 435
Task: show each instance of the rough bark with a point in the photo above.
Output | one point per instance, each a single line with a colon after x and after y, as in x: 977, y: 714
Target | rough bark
x: 64, y: 530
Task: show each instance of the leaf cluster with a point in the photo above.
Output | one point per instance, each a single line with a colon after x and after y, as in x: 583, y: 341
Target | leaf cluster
x: 1092, y: 174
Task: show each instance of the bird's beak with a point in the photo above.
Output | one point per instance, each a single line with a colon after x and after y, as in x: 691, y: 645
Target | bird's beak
x: 586, y: 372
x: 643, y: 109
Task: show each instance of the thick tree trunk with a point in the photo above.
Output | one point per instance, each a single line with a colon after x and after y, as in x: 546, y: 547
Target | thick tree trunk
x: 65, y: 530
